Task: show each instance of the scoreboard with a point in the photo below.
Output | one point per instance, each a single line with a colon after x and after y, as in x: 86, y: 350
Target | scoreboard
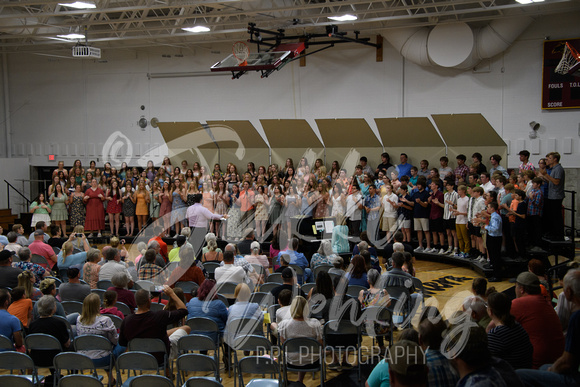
x: 558, y: 91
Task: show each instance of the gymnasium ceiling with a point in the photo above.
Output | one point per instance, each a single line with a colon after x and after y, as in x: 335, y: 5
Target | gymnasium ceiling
x: 32, y: 25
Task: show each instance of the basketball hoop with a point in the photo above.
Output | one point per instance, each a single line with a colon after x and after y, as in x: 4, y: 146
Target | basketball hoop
x: 241, y: 53
x: 570, y: 60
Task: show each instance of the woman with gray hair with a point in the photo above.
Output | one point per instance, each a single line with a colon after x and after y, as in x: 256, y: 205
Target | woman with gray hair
x: 211, y: 252
x: 324, y: 256
x: 258, y: 259
x: 50, y: 325
x: 120, y: 281
x: 142, y: 248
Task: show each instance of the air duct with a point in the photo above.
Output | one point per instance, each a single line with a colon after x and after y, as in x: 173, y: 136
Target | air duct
x: 456, y: 45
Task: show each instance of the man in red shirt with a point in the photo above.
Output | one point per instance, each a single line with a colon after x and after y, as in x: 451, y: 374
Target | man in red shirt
x: 539, y: 320
x: 38, y: 247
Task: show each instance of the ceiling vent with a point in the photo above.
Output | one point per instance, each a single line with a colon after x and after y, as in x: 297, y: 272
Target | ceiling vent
x: 86, y: 52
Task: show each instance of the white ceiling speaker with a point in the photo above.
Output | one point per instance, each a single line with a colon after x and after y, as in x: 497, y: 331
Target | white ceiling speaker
x: 155, y: 122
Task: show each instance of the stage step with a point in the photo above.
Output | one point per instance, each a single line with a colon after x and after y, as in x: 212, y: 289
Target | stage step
x: 7, y: 219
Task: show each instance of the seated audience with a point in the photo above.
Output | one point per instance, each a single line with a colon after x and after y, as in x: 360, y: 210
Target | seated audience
x: 358, y: 273
x: 148, y: 324
x: 288, y: 282
x: 211, y: 252
x: 381, y: 374
x: 507, y: 340
x: 441, y: 372
x: 564, y: 371
x: 149, y: 270
x: 91, y: 322
x: 375, y: 296
x: 320, y: 297
x: 25, y: 264
x: 48, y: 288
x: 50, y: 325
x: 39, y: 247
x: 324, y: 255
x: 206, y: 304
x: 230, y: 272
x: 109, y: 301
x: 9, y: 324
x: 300, y: 326
x: 12, y: 245
x: 242, y: 309
x: 477, y: 310
x: 8, y: 274
x: 26, y: 280
x: 174, y: 253
x: 66, y: 257
x: 539, y: 320
x: 258, y: 259
x: 297, y: 258
x: 73, y: 290
x: 113, y: 265
x: 21, y: 306
x: 338, y: 267
x: 92, y: 268
x: 283, y: 313
x: 120, y: 283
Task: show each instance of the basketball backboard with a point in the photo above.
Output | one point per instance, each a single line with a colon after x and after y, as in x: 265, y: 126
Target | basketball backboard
x: 266, y: 61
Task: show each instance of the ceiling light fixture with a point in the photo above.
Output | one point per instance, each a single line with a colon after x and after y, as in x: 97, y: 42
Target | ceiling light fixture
x: 343, y: 18
x: 72, y: 36
x: 529, y: 1
x: 196, y: 29
x: 79, y: 5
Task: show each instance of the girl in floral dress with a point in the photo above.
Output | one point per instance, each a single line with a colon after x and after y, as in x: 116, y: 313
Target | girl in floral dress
x: 222, y: 201
x: 234, y: 227
x: 77, y: 207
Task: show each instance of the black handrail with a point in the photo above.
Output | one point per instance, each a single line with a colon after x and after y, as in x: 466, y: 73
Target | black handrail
x: 8, y: 186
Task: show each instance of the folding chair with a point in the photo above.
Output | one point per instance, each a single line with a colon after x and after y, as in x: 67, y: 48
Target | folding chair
x: 264, y: 299
x: 259, y: 365
x: 306, y: 288
x: 258, y: 344
x: 320, y: 268
x: 39, y: 260
x: 150, y: 346
x: 299, y: 345
x: 187, y: 286
x: 116, y: 320
x: 195, y: 342
x: 226, y: 288
x: 12, y: 360
x: 104, y: 284
x: 135, y: 361
x: 269, y: 286
x: 272, y: 312
x: 299, y: 271
x: 6, y: 344
x: 210, y: 268
x: 419, y: 288
x: 150, y: 381
x: 68, y: 326
x: 342, y: 328
x: 100, y: 293
x: 224, y: 299
x: 193, y: 362
x: 354, y: 290
x: 241, y: 327
x: 79, y: 380
x: 57, y: 281
x: 15, y: 381
x: 123, y: 308
x: 383, y: 316
x: 73, y: 362
x: 400, y: 305
x: 275, y: 277
x: 259, y: 269
x: 200, y: 381
x: 72, y: 307
x: 42, y: 342
x: 95, y: 342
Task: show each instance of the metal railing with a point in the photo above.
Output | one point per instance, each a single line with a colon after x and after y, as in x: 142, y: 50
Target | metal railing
x: 10, y: 186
